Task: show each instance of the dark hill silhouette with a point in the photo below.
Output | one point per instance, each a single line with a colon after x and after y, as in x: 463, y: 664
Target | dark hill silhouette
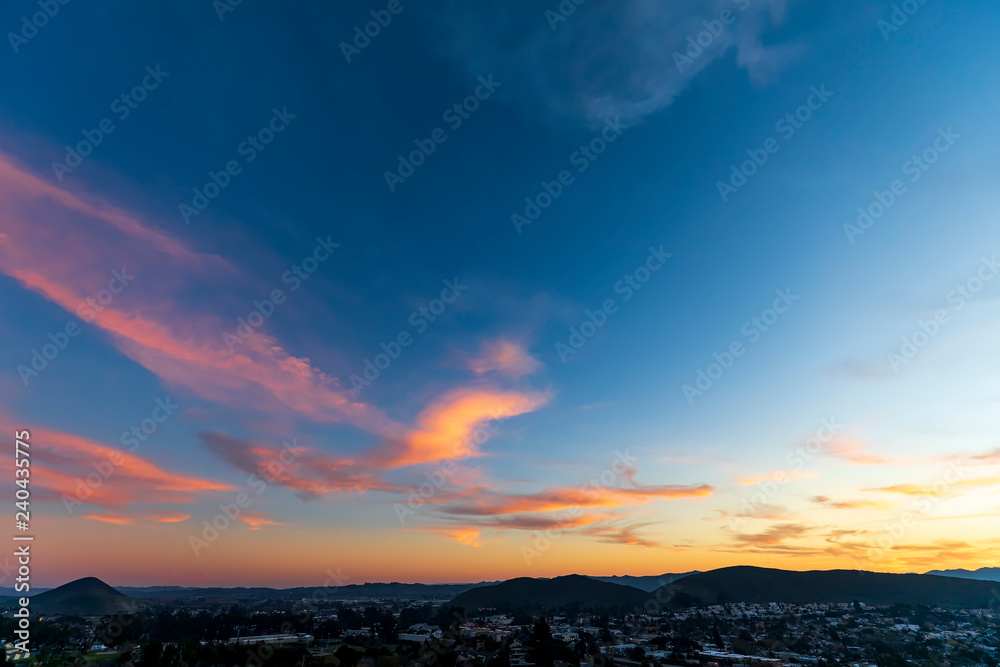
x: 527, y: 594
x: 84, y: 597
x: 758, y: 584
x: 350, y: 591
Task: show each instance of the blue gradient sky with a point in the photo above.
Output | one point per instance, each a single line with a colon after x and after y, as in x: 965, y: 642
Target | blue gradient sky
x: 692, y: 496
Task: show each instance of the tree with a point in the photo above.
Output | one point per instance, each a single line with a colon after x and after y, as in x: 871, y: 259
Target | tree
x: 541, y: 632
x: 636, y: 653
x: 385, y: 627
x: 349, y: 619
x: 152, y: 651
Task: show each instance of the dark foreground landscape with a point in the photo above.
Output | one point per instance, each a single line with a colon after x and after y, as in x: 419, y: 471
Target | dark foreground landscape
x: 730, y: 616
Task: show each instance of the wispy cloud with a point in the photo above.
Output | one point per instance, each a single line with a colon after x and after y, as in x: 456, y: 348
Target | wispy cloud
x: 130, y: 519
x: 789, y: 475
x: 855, y: 453
x: 851, y: 504
x: 626, y: 535
x: 310, y: 472
x: 507, y: 357
x: 949, y: 489
x: 256, y: 520
x: 490, y: 503
x: 78, y: 471
x: 774, y: 535
x: 612, y: 59
x: 445, y: 429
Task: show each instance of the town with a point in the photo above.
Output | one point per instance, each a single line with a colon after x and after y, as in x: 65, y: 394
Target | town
x: 406, y: 633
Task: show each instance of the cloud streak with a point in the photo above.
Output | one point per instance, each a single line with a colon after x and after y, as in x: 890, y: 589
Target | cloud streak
x: 565, y: 64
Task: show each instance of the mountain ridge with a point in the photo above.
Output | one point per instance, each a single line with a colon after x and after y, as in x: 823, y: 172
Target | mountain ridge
x: 746, y: 583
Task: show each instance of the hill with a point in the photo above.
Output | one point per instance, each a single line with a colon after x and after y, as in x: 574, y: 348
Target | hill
x: 348, y: 592
x: 983, y: 573
x: 84, y: 597
x: 758, y: 584
x: 648, y: 584
x: 541, y: 595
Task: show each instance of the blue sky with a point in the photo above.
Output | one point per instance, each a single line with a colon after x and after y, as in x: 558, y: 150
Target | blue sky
x: 492, y: 354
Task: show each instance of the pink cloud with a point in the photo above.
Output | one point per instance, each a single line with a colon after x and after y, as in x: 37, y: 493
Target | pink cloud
x: 507, y: 357
x: 78, y: 471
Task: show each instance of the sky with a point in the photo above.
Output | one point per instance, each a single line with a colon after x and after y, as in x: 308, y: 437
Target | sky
x: 442, y: 292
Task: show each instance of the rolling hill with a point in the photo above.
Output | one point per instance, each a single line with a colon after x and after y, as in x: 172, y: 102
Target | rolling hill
x: 982, y: 574
x: 347, y: 592
x: 527, y: 594
x: 648, y: 584
x: 757, y: 584
x: 84, y: 597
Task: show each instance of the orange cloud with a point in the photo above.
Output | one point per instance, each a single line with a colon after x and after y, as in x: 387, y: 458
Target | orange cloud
x: 117, y: 520
x: 854, y: 453
x: 128, y: 520
x: 457, y: 423
x: 851, y: 504
x: 255, y: 520
x: 467, y: 536
x: 489, y: 503
x: 989, y: 458
x: 941, y: 488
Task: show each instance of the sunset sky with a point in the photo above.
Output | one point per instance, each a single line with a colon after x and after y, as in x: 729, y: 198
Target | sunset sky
x: 649, y: 305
